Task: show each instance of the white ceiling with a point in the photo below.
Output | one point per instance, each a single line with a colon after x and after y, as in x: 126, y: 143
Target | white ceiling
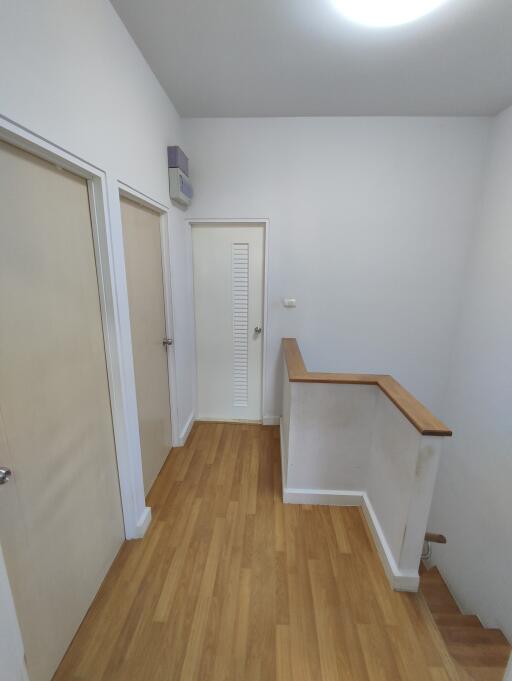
x: 302, y: 58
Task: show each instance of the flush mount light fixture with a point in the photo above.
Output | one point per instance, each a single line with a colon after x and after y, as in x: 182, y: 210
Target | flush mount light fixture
x: 384, y: 13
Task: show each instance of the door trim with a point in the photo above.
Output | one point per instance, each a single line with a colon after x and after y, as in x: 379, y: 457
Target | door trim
x: 109, y: 253
x: 9, y: 626
x: 130, y: 193
x: 245, y: 222
x: 111, y: 273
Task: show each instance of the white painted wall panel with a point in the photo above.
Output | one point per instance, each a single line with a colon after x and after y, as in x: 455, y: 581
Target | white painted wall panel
x: 332, y: 436
x: 370, y: 221
x: 390, y: 482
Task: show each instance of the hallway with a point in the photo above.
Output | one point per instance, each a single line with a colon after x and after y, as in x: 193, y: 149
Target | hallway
x: 229, y: 584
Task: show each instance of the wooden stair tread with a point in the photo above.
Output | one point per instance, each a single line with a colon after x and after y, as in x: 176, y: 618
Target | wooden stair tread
x: 462, y: 672
x: 472, y: 635
x: 480, y: 654
x: 432, y: 575
x: 485, y: 673
x: 456, y: 620
x: 438, y: 596
x: 422, y: 569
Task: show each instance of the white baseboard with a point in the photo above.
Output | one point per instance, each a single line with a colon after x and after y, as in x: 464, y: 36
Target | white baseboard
x: 322, y: 497
x: 270, y: 420
x: 400, y: 580
x: 186, y: 430
x: 143, y: 522
x: 284, y: 473
x: 222, y: 419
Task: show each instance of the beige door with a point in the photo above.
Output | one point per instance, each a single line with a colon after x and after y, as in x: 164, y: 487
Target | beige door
x: 228, y: 299
x: 60, y: 514
x: 143, y: 255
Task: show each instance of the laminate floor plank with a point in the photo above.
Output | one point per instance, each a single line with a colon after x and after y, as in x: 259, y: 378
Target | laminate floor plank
x: 229, y: 584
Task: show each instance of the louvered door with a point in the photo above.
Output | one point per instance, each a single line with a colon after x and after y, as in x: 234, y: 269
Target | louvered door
x: 228, y: 293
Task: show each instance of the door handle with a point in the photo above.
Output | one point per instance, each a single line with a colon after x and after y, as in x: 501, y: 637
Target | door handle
x: 5, y: 475
x: 167, y: 341
x: 257, y: 330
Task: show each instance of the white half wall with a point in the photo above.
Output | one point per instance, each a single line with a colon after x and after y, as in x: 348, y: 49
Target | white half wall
x: 330, y: 436
x: 391, y: 475
x: 72, y: 75
x: 370, y: 223
x: 349, y: 445
x: 472, y: 504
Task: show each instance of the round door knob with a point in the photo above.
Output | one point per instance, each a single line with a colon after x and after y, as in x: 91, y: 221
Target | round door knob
x: 257, y: 330
x: 5, y: 474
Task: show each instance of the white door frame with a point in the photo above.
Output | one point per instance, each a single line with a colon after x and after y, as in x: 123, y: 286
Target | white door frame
x: 246, y: 222
x: 11, y: 642
x: 110, y: 266
x: 113, y: 293
x: 163, y: 210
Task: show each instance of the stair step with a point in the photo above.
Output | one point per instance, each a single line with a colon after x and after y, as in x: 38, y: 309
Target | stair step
x: 457, y: 620
x: 437, y: 594
x: 422, y: 569
x: 480, y: 654
x: 485, y: 673
x: 431, y: 574
x: 473, y: 635
x: 462, y: 672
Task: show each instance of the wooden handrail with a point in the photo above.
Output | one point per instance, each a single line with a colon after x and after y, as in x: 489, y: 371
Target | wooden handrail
x: 420, y: 417
x: 435, y: 538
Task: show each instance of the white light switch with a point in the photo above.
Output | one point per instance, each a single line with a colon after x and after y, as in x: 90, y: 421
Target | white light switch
x: 289, y: 302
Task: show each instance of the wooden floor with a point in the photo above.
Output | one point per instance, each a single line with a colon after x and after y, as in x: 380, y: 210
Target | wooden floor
x: 231, y: 585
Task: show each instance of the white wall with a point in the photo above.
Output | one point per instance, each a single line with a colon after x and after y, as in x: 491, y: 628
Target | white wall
x: 331, y: 436
x: 472, y: 505
x: 370, y: 221
x: 72, y: 74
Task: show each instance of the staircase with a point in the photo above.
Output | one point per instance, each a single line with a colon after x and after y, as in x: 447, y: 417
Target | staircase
x: 480, y: 654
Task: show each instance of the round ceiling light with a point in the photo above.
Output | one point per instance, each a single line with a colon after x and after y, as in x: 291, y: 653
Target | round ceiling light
x: 384, y: 13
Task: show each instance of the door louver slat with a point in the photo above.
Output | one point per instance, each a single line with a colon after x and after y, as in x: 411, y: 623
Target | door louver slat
x: 240, y: 301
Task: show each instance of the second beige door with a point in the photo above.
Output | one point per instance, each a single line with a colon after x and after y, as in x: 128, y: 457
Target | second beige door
x: 143, y: 255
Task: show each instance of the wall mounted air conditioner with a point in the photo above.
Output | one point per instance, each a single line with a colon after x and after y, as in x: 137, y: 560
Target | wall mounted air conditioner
x: 180, y: 187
